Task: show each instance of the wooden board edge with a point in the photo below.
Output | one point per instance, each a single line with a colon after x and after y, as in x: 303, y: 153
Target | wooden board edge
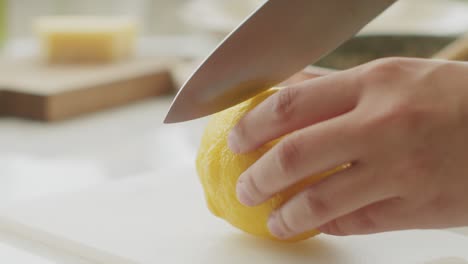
x: 17, y: 104
x: 75, y: 103
x: 2, y: 102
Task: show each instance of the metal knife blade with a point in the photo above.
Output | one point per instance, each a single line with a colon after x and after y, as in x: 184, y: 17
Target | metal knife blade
x: 279, y: 39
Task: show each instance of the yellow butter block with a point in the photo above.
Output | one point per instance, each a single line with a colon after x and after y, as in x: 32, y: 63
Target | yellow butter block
x: 76, y: 39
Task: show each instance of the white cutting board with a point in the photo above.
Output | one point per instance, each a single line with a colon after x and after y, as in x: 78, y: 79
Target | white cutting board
x: 10, y: 254
x: 162, y: 218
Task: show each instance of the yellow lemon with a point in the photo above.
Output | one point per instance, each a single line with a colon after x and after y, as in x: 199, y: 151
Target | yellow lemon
x: 219, y: 168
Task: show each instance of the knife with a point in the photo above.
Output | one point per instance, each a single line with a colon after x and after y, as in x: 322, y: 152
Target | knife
x: 279, y: 39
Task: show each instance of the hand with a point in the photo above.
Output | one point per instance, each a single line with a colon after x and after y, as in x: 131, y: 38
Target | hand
x: 402, y: 123
x: 309, y: 72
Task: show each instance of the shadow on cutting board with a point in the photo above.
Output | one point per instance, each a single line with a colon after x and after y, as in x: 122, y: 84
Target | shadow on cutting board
x: 256, y: 250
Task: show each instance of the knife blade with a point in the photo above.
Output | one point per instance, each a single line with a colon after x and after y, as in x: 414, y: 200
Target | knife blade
x: 279, y: 39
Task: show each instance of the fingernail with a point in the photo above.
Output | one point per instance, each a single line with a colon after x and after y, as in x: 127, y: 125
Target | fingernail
x: 275, y: 227
x: 243, y: 195
x: 233, y: 142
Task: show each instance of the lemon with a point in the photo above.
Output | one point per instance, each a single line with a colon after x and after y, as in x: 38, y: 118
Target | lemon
x: 219, y: 169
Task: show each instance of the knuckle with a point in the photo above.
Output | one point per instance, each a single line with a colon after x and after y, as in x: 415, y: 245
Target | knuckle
x: 317, y: 206
x: 288, y: 155
x: 389, y: 65
x: 283, y: 104
x: 383, y: 71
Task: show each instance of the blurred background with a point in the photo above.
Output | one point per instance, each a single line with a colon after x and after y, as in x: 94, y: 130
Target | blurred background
x: 40, y: 155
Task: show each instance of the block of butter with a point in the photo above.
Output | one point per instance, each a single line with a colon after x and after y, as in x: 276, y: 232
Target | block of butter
x: 86, y: 39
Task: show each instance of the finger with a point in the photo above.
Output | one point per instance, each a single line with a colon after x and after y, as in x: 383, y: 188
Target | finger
x: 293, y: 108
x: 387, y: 215
x: 308, y: 73
x: 401, y: 213
x: 306, y: 152
x: 335, y: 196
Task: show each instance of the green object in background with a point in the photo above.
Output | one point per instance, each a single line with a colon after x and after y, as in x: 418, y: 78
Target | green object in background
x: 3, y: 25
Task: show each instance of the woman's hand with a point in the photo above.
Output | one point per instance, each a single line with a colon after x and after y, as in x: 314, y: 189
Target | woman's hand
x: 309, y: 72
x: 402, y: 123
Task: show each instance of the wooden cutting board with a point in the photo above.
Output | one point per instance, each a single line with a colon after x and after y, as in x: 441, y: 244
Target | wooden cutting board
x: 32, y: 89
x: 162, y: 218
